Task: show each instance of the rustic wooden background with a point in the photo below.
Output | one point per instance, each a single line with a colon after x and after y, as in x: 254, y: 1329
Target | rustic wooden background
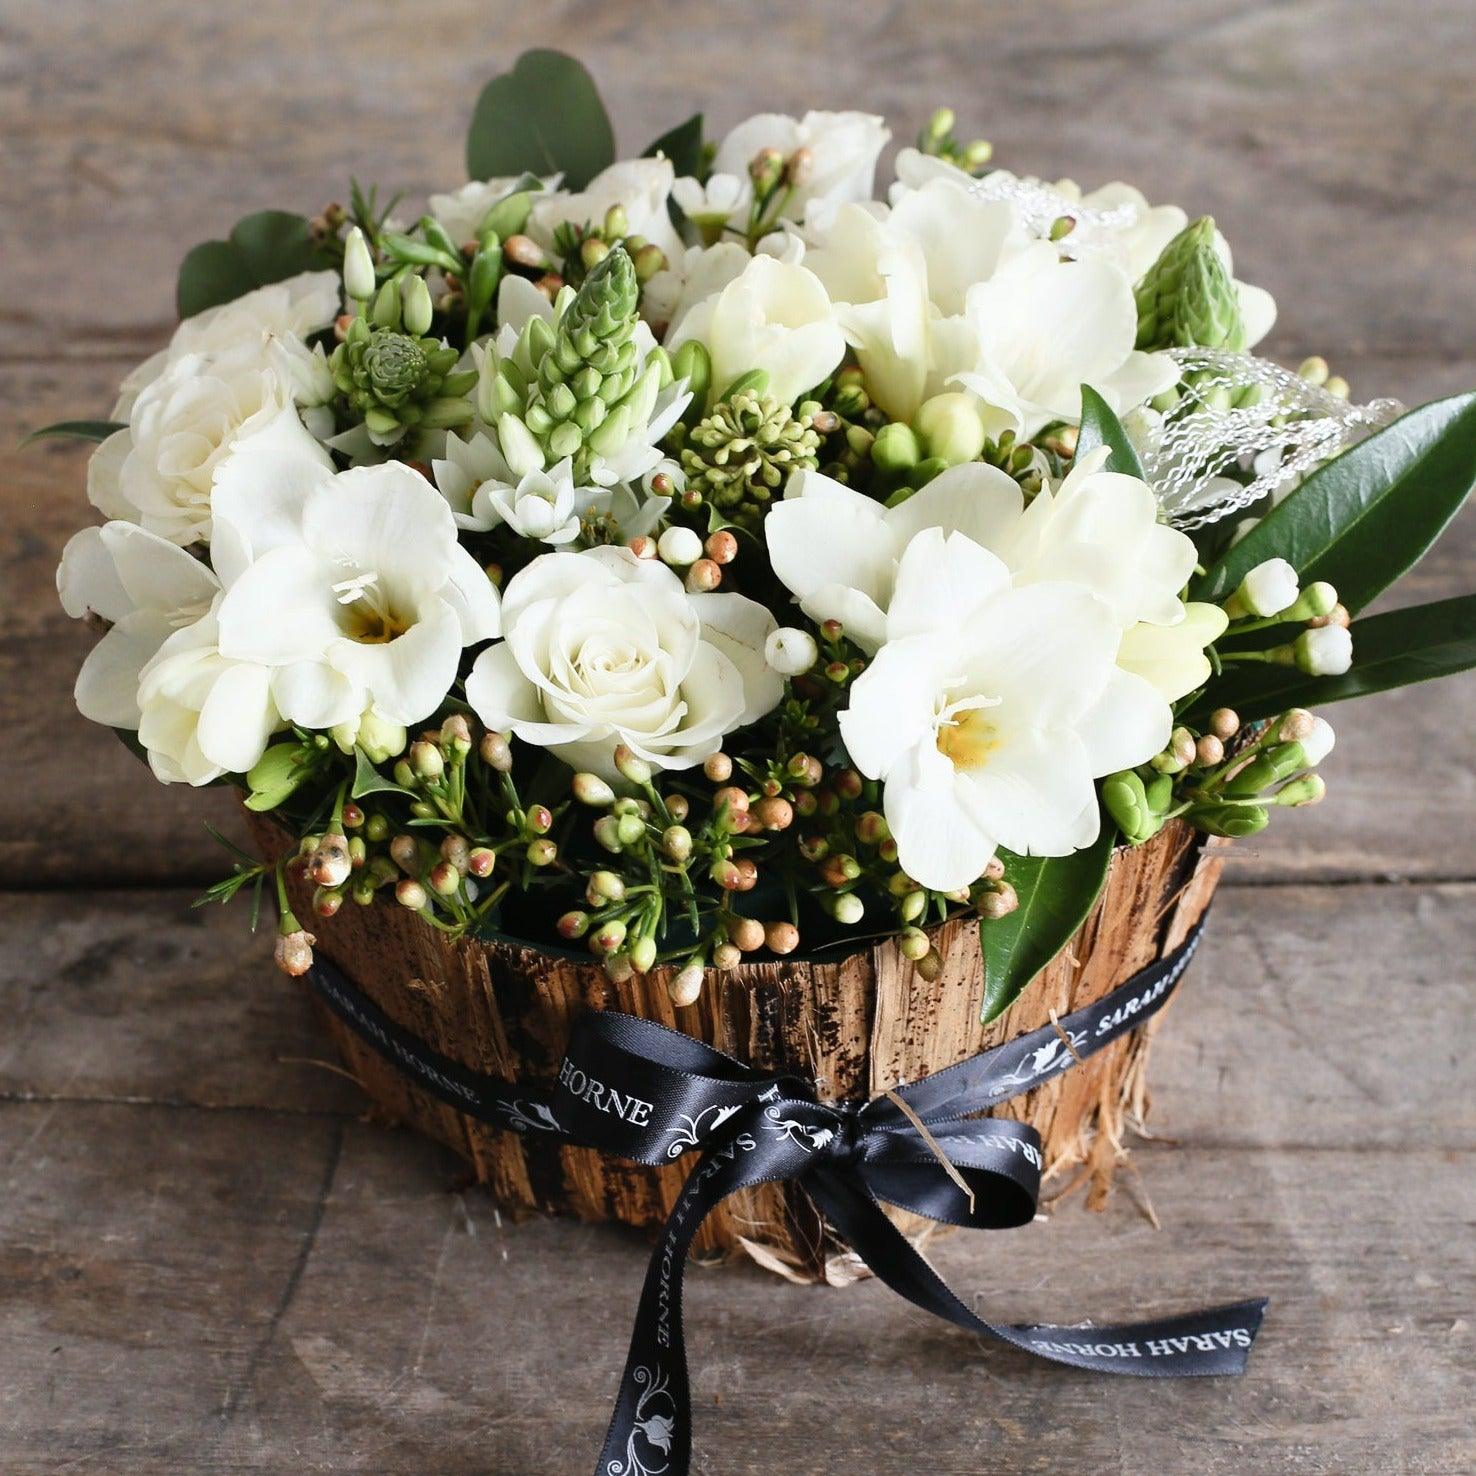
x: 209, y: 1260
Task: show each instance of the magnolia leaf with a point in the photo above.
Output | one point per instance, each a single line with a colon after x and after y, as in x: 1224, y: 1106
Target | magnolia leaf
x: 368, y: 779
x: 262, y: 248
x: 1369, y: 515
x: 80, y: 430
x: 545, y: 116
x: 1056, y: 894
x: 682, y: 145
x: 1417, y: 644
x: 1101, y: 427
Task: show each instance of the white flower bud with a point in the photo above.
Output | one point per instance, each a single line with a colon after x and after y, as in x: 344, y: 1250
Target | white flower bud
x: 686, y: 985
x: 1269, y: 588
x: 679, y: 547
x: 1326, y: 650
x: 790, y: 651
x: 1318, y: 741
x: 358, y: 267
x: 415, y: 306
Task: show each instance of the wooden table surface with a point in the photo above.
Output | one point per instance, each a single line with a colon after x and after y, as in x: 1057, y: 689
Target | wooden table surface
x: 210, y: 1261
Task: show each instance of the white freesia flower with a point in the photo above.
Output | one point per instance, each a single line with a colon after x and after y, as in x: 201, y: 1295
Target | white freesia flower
x: 159, y: 472
x: 293, y: 309
x: 843, y: 150
x: 710, y: 206
x: 603, y: 648
x: 1172, y: 657
x: 773, y: 316
x: 352, y: 587
x: 641, y: 187
x: 148, y: 588
x: 691, y: 277
x: 1045, y: 327
x: 482, y: 492
x: 462, y: 211
x: 990, y: 710
x: 201, y: 714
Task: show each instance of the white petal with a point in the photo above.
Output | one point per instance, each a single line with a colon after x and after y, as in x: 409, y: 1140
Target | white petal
x: 238, y: 717
x: 407, y: 678
x: 313, y: 695
x: 739, y: 628
x: 892, y: 704
x: 1035, y: 794
x: 837, y: 538
x: 157, y: 574
x: 1126, y: 726
x: 104, y: 476
x: 281, y: 609
x: 502, y: 697
x: 941, y: 582
x: 87, y: 579
x: 975, y: 499
x: 938, y: 844
x: 107, y: 685
x: 474, y: 598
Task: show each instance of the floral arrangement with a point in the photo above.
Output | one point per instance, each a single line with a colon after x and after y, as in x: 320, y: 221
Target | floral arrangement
x: 695, y: 555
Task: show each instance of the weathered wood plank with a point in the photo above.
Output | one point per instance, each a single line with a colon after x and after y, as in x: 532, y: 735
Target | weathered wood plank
x: 1330, y: 141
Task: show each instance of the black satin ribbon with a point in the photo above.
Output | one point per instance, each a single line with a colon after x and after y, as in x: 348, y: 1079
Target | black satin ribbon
x: 636, y: 1089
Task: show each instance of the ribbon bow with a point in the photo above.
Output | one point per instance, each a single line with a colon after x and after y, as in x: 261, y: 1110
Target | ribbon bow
x: 634, y: 1088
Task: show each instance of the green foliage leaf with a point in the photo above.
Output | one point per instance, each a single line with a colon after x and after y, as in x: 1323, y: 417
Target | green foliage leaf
x: 1370, y: 514
x: 682, y: 145
x: 1417, y: 644
x: 1101, y: 427
x: 543, y: 116
x: 262, y: 248
x: 368, y: 779
x: 1056, y: 894
x: 79, y: 430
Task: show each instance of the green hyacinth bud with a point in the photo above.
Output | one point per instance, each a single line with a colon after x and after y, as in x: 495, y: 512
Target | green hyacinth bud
x: 1187, y: 298
x: 896, y: 448
x: 1234, y: 821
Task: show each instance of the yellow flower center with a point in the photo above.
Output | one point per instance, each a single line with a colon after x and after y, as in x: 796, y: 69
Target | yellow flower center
x: 966, y: 734
x: 368, y: 616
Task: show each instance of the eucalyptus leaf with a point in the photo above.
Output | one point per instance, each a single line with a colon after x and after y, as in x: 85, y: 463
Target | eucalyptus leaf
x: 682, y: 145
x: 1056, y: 894
x: 1417, y: 644
x: 1369, y: 515
x: 266, y: 247
x: 545, y: 116
x: 1101, y: 427
x: 79, y: 430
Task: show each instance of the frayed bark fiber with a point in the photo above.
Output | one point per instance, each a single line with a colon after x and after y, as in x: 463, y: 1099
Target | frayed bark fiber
x: 855, y: 1025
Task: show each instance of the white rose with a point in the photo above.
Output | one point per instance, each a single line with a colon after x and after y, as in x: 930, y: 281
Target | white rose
x: 200, y: 714
x: 844, y: 148
x: 351, y: 587
x: 603, y: 648
x: 641, y: 187
x: 462, y: 211
x: 773, y: 316
x: 160, y: 471
x: 294, y: 308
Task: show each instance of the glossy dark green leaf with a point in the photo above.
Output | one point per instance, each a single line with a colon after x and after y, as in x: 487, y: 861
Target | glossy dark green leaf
x: 545, y: 116
x: 262, y: 248
x: 78, y: 430
x: 1056, y: 894
x: 1101, y: 427
x: 682, y: 145
x: 1370, y: 514
x: 1417, y: 644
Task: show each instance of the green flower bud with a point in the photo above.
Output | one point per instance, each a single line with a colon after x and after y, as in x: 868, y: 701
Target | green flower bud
x: 415, y: 305
x: 358, y: 267
x: 896, y: 448
x: 590, y: 789
x: 1234, y: 821
x: 692, y: 363
x: 1127, y: 803
x: 1187, y: 297
x: 630, y: 829
x: 643, y: 954
x: 950, y: 428
x: 276, y: 775
x: 1308, y: 790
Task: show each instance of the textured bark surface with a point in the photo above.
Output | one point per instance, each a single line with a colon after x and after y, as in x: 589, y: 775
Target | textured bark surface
x: 855, y: 1026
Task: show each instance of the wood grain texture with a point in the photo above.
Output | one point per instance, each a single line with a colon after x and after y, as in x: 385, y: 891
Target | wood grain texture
x: 241, y: 1285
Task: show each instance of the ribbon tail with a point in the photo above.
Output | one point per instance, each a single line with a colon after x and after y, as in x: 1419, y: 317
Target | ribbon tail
x: 1214, y: 1341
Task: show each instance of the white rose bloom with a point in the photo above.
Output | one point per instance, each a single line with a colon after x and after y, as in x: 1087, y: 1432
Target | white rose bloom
x: 294, y: 308
x: 351, y: 587
x: 160, y: 471
x: 603, y: 648
x: 844, y: 148
x: 148, y: 588
x: 462, y: 211
x: 773, y: 316
x: 989, y: 712
x: 641, y: 187
x: 202, y: 715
